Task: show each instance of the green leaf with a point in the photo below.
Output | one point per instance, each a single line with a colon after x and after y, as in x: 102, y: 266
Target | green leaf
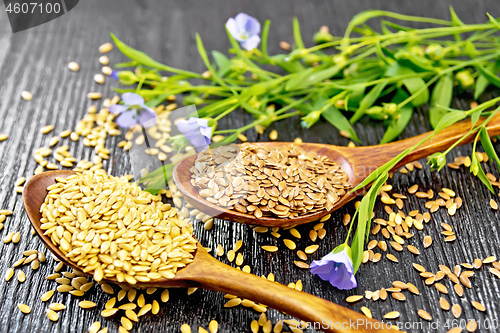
x: 381, y: 54
x: 355, y: 96
x: 491, y: 77
x: 397, y: 126
x: 296, y: 34
x: 480, y: 172
x: 455, y: 22
x: 265, y: 36
x: 319, y: 76
x: 339, y: 121
x: 261, y: 88
x: 297, y: 78
x: 126, y: 64
x: 493, y: 20
x: 289, y: 66
x: 482, y: 82
x: 488, y: 146
x: 413, y: 84
x: 449, y: 119
x: 204, y: 57
x: 220, y: 59
x: 475, y: 116
x: 368, y: 101
x: 364, y: 219
x: 441, y: 97
x: 139, y: 56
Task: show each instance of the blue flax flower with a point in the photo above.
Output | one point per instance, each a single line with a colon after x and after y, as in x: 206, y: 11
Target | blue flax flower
x: 245, y: 29
x: 197, y: 131
x: 336, y: 267
x: 133, y: 111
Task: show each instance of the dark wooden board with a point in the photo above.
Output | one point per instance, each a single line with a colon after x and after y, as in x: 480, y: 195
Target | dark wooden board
x: 36, y: 60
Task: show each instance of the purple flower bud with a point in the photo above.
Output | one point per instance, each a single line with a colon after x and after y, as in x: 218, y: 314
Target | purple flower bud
x: 245, y: 29
x: 114, y: 75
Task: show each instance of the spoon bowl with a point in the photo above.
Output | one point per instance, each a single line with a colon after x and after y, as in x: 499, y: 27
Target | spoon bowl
x: 207, y: 272
x: 357, y: 162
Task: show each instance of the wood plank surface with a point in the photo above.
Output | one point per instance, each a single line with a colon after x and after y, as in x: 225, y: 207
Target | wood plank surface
x: 36, y: 60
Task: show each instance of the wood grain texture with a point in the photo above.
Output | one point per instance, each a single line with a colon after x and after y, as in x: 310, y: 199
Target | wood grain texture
x: 36, y: 60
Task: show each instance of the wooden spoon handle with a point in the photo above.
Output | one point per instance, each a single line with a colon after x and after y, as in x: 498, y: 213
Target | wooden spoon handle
x: 444, y: 139
x: 372, y: 157
x: 217, y: 276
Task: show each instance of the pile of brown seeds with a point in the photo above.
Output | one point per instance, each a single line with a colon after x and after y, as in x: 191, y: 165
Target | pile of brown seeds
x: 114, y: 229
x: 282, y: 182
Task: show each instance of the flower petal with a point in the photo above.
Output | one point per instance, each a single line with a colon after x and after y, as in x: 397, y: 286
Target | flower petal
x: 147, y: 117
x: 248, y: 24
x: 207, y: 133
x: 336, y: 268
x: 186, y: 126
x: 201, y: 122
x: 250, y: 43
x: 127, y: 119
x: 233, y: 29
x: 197, y: 139
x: 130, y: 98
x: 117, y: 108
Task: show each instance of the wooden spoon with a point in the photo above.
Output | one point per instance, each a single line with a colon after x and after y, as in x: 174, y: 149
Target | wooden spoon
x: 207, y: 272
x: 357, y: 162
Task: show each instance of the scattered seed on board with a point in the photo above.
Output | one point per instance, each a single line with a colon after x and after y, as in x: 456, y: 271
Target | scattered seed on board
x: 24, y: 308
x: 26, y: 95
x: 471, y: 326
x: 311, y: 249
x: 398, y: 296
x: 366, y: 312
x: 427, y: 241
x: 273, y: 135
x: 413, y: 289
x: 456, y: 310
x: 232, y: 303
x: 424, y: 315
x: 52, y: 315
x: 392, y: 315
x: 185, y: 328
x: 99, y: 78
x: 443, y: 303
x: 354, y: 298
x: 270, y: 248
x: 3, y: 137
x: 493, y: 204
x: 94, y: 95
x: 21, y: 277
x: 104, y: 60
x: 301, y: 264
x: 57, y: 306
x: 105, y: 48
x: 73, y: 66
x: 109, y: 312
x: 290, y: 244
x: 391, y: 257
x: 87, y: 304
x: 441, y: 288
x: 478, y: 306
x: 9, y: 274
